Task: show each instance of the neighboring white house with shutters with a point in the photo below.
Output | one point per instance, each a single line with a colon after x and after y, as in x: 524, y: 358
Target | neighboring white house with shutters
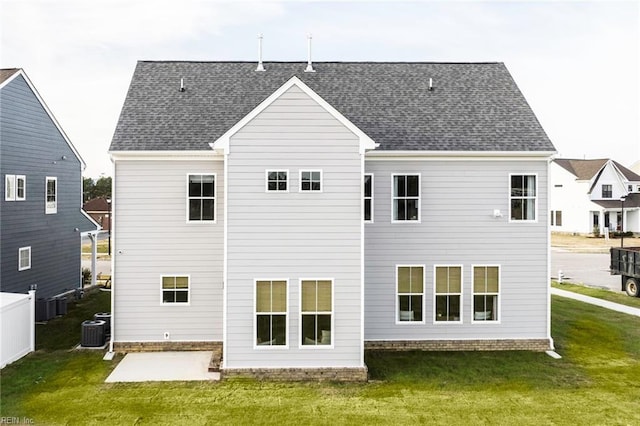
x: 295, y: 218
x: 587, y: 196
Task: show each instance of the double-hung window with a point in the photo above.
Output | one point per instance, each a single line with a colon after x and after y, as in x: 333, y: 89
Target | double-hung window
x: 410, y: 291
x: 51, y: 201
x: 311, y: 180
x: 368, y: 197
x: 24, y: 258
x: 21, y: 188
x: 607, y: 191
x: 406, y: 198
x: 201, y: 200
x: 175, y: 289
x: 316, y: 312
x: 15, y: 188
x: 271, y: 313
x: 486, y: 291
x: 523, y: 195
x: 448, y: 289
x: 277, y: 180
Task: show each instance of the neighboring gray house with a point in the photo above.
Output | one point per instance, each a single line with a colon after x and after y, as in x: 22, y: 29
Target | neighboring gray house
x: 295, y: 218
x: 41, y: 216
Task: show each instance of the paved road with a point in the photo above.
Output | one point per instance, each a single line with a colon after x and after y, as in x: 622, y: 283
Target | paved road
x: 102, y: 266
x: 584, y: 268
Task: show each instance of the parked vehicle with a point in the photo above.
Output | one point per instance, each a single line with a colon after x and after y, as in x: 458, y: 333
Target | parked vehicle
x: 626, y: 262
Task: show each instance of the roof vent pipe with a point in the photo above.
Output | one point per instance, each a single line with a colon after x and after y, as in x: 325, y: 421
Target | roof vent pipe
x: 182, y: 84
x: 430, y: 84
x: 260, y: 67
x: 309, y: 66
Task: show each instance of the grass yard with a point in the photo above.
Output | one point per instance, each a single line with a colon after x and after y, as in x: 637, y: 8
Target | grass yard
x: 596, y: 382
x: 599, y: 293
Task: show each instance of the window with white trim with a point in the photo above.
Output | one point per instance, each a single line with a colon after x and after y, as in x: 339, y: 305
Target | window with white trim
x: 51, y: 201
x: 316, y: 312
x: 486, y: 291
x: 9, y: 187
x: 24, y: 258
x: 406, y: 197
x: 21, y: 188
x: 311, y: 180
x: 448, y: 293
x: 277, y: 180
x: 410, y: 293
x: 607, y: 191
x: 201, y: 199
x: 271, y: 313
x: 368, y: 197
x: 522, y: 197
x: 175, y: 289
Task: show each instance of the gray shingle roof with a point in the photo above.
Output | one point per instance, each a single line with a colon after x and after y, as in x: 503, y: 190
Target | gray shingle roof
x: 473, y: 107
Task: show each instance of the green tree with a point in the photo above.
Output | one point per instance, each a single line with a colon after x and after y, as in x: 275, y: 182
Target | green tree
x: 94, y: 189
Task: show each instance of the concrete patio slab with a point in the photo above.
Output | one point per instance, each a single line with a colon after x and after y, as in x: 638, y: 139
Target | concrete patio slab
x: 163, y: 366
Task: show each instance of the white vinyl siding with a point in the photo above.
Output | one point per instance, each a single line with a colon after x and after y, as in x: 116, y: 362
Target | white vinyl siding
x: 51, y: 195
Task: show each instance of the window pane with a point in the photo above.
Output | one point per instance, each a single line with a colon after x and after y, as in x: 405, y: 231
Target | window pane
x: 412, y: 209
x: 479, y: 284
x: 412, y: 186
x: 315, y: 186
x: 441, y: 280
x: 279, y: 329
x: 516, y: 186
x: 282, y: 176
x: 208, y: 209
x: 195, y: 208
x: 195, y: 186
x: 182, y: 297
x: 400, y: 210
x: 416, y: 307
x: 208, y: 186
x: 282, y: 186
x: 306, y: 186
x: 367, y: 209
x: 455, y: 280
x: 168, y: 282
x: 263, y: 329
x: 516, y: 209
x: 272, y: 176
x: 324, y: 296
x: 323, y: 331
x: 399, y: 186
x: 315, y: 176
x: 279, y: 296
x: 182, y: 282
x: 308, y: 296
x: 367, y: 185
x: 492, y: 279
x: 168, y: 297
x: 404, y: 279
x: 530, y: 186
x: 530, y: 209
x: 272, y: 186
x: 309, y: 330
x: 417, y: 277
x: 306, y: 176
x: 51, y: 190
x: 263, y: 296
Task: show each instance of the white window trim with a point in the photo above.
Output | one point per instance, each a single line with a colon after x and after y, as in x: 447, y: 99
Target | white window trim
x: 310, y: 190
x: 255, y: 315
x: 473, y: 294
x: 368, y: 198
x: 188, y: 302
x: 54, y: 208
x: 461, y: 294
x: 266, y: 181
x: 536, y: 198
x: 393, y: 198
x: 24, y: 179
x: 333, y: 316
x: 397, y: 294
x: 215, y: 199
x: 28, y: 250
x: 10, y: 187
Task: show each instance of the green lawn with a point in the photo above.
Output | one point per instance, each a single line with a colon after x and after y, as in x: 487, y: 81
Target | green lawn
x: 596, y: 382
x: 599, y: 293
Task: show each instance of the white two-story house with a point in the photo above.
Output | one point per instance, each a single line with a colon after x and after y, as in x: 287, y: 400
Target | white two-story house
x: 589, y: 196
x: 295, y: 215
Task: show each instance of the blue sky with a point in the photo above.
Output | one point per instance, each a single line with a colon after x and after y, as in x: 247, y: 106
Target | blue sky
x: 577, y: 63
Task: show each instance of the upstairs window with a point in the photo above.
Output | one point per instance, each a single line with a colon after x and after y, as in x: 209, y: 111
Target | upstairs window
x: 51, y: 201
x: 21, y: 188
x: 368, y: 198
x: 523, y: 196
x: 406, y: 198
x: 607, y: 191
x: 175, y: 290
x: 277, y: 180
x: 311, y: 180
x: 271, y: 313
x: 202, y: 206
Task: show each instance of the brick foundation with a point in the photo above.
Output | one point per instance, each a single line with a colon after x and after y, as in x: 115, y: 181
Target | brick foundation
x: 536, y: 345
x: 299, y: 374
x: 164, y: 346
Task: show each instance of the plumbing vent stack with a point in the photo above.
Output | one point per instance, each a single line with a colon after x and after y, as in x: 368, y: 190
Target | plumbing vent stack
x: 309, y: 66
x: 430, y: 84
x: 260, y: 66
x: 182, y: 84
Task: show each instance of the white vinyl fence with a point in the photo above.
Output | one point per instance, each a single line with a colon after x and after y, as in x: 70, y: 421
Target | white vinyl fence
x: 18, y: 327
